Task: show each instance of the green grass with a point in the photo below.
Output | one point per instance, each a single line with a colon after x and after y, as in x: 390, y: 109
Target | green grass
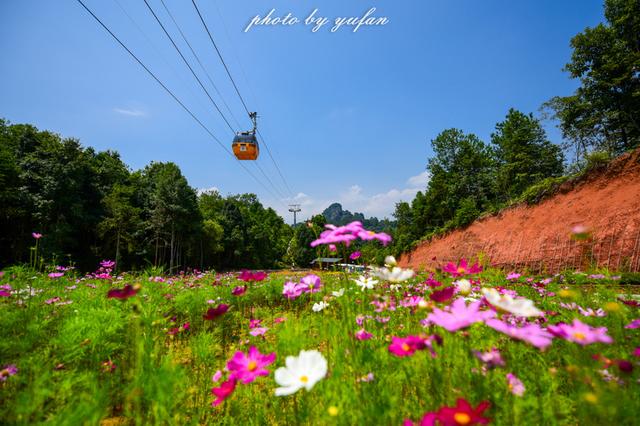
x: 164, y: 379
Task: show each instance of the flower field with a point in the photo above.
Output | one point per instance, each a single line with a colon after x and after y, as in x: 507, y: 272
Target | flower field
x: 463, y: 345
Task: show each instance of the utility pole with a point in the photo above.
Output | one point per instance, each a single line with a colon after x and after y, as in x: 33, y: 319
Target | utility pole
x: 295, y: 209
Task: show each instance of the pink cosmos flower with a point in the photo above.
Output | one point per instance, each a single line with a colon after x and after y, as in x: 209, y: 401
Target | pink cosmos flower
x: 363, y: 334
x: 443, y: 295
x: 216, y: 376
x: 253, y: 323
x: 406, y: 346
x: 633, y: 324
x: 246, y: 368
x: 355, y: 255
x: 348, y: 233
x: 278, y: 320
x: 55, y: 275
x: 108, y: 264
x: 5, y: 290
x: 431, y: 282
x: 248, y: 276
x: 636, y: 351
x: 258, y: 331
x: 122, y: 293
x: 459, y: 315
x: 580, y: 333
x: 8, y: 371
x: 36, y: 235
x: 213, y: 313
x: 428, y: 419
x: 311, y: 283
x: 292, y: 290
x: 530, y: 333
x: 223, y: 392
x: 462, y: 269
x: 515, y: 385
x: 239, y: 290
x: 513, y: 276
x: 491, y: 359
x: 411, y: 301
x: 463, y: 414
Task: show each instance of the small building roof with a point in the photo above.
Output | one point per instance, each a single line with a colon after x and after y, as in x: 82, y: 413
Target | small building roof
x: 326, y: 260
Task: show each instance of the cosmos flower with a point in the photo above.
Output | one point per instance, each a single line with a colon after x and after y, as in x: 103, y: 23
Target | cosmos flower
x: 223, y: 392
x: 247, y: 367
x: 406, y: 346
x: 355, y: 255
x: 530, y: 333
x: 461, y: 269
x: 303, y: 371
x: 253, y: 323
x: 516, y: 386
x: 248, y: 276
x: 239, y: 290
x: 428, y: 419
x: 520, y: 307
x: 292, y: 290
x: 580, y: 333
x: 443, y: 295
x: 8, y: 371
x: 366, y: 282
x: 108, y: 264
x: 491, y: 359
x: 459, y: 315
x: 513, y: 276
x: 213, y: 313
x: 463, y: 286
x: 317, y: 307
x: 633, y: 324
x: 311, y: 283
x: 463, y: 414
x: 216, y: 376
x: 363, y: 334
x: 338, y: 293
x: 258, y: 331
x: 55, y: 275
x: 394, y: 275
x: 123, y: 293
x: 36, y: 235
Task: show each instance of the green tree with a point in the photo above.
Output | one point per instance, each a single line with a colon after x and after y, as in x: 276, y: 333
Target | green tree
x: 604, y: 112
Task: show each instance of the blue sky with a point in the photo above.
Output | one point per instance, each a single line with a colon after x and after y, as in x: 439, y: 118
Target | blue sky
x: 348, y: 116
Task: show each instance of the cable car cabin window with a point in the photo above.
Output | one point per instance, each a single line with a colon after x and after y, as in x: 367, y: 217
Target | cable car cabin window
x: 243, y: 148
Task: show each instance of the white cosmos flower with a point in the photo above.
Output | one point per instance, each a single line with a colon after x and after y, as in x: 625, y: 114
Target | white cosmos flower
x: 394, y: 275
x: 520, y: 307
x: 338, y: 293
x: 463, y: 286
x: 317, y: 307
x: 390, y: 261
x: 366, y: 283
x: 302, y: 371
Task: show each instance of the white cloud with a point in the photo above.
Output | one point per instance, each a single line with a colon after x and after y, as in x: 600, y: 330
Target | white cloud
x: 131, y: 112
x: 356, y: 199
x: 201, y: 191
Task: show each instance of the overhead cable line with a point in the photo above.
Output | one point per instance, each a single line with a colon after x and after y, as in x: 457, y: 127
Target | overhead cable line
x: 184, y: 37
x: 175, y: 98
x: 238, y: 92
x: 188, y: 65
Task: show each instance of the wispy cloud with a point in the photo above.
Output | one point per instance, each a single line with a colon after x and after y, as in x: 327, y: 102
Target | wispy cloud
x: 201, y: 191
x: 131, y: 112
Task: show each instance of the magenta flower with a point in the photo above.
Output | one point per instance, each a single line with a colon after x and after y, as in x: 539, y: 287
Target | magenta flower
x: 462, y: 269
x: 52, y: 300
x: 239, y: 290
x: 355, y: 255
x: 311, y: 283
x: 278, y: 320
x: 36, y: 235
x: 108, y: 264
x: 365, y: 235
x: 5, y: 290
x: 246, y: 368
x: 292, y: 290
x: 8, y: 371
x: 530, y: 333
x: 55, y: 275
x: 258, y: 331
x: 406, y: 346
x: 443, y: 295
x: 345, y: 234
x: 363, y: 334
x: 516, y: 386
x: 428, y: 419
x: 253, y: 323
x: 633, y: 324
x: 580, y: 333
x: 491, y: 359
x: 122, y: 293
x: 248, y: 276
x: 223, y: 392
x: 636, y: 351
x: 459, y: 315
x: 216, y: 376
x: 213, y: 313
x: 513, y: 276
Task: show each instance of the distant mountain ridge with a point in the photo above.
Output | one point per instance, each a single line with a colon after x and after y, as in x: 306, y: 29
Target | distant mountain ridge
x: 336, y: 215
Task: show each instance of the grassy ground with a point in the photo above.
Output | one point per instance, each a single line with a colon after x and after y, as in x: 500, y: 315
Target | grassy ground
x: 113, y: 361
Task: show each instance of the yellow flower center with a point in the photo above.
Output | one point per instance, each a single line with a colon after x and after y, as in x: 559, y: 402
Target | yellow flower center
x: 304, y: 379
x: 579, y: 336
x: 405, y: 347
x: 461, y: 270
x: 462, y: 418
x: 252, y: 366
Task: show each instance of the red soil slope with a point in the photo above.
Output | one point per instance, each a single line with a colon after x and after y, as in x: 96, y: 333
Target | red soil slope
x: 607, y: 201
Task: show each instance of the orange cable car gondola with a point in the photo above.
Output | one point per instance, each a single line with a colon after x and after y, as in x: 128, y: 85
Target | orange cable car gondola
x: 245, y: 145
